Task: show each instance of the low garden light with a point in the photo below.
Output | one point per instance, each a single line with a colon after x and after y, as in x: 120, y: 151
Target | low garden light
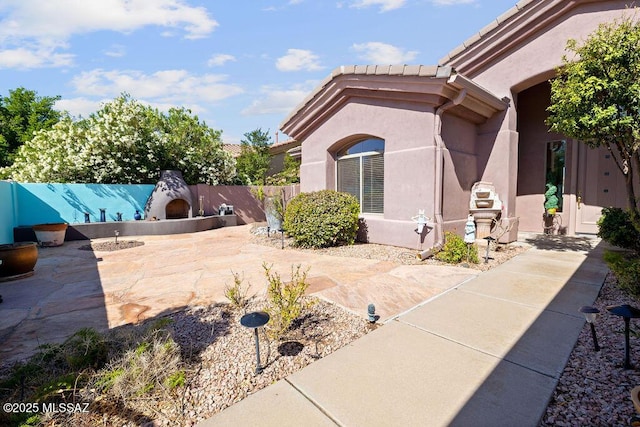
x: 255, y: 320
x: 590, y: 314
x: 371, y: 311
x: 627, y: 313
x: 489, y: 239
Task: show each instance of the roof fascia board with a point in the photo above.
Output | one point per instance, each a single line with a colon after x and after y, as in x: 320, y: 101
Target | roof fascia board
x: 478, y: 98
x: 399, y: 84
x: 507, y: 32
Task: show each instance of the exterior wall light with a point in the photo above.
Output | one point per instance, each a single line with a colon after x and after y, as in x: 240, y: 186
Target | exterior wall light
x: 421, y: 219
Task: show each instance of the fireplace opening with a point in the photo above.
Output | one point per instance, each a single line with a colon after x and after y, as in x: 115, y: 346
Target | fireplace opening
x: 177, y: 208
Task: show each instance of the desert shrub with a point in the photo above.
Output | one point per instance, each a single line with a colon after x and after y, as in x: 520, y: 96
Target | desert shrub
x: 455, y: 250
x: 322, y: 219
x: 626, y: 267
x: 85, y: 349
x: 122, y: 366
x: 153, y: 364
x: 285, y: 301
x: 237, y: 293
x: 615, y: 227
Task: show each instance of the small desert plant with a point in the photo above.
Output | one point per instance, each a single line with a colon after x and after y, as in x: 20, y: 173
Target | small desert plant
x: 455, y: 250
x: 322, y: 219
x: 286, y: 301
x: 237, y: 293
x: 153, y: 364
x: 85, y: 349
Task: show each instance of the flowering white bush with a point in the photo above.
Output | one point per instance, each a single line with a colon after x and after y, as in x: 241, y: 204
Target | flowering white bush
x: 124, y: 142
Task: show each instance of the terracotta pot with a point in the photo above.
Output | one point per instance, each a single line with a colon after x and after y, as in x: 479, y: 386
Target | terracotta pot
x: 17, y: 259
x: 50, y: 234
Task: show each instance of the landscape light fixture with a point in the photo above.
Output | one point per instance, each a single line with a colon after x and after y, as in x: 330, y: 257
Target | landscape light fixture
x: 255, y: 320
x: 590, y: 314
x: 371, y: 311
x: 627, y: 313
x: 489, y: 239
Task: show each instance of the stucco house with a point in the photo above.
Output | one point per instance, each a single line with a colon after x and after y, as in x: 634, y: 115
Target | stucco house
x: 412, y: 138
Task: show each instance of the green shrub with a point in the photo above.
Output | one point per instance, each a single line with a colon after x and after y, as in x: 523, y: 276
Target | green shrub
x: 237, y: 293
x: 615, y: 227
x: 626, y: 267
x: 286, y: 301
x: 322, y: 219
x: 455, y: 250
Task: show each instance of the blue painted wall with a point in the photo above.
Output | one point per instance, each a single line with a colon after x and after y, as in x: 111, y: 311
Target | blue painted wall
x: 42, y: 203
x: 7, y: 216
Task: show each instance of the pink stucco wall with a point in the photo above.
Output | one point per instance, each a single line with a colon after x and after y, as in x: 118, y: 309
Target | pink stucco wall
x: 409, y: 163
x: 527, y: 63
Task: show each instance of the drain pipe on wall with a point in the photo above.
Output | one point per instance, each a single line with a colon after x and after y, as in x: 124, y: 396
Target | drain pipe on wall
x: 439, y: 173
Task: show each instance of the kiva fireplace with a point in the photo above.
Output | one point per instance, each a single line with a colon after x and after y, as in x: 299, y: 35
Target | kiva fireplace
x: 170, y: 199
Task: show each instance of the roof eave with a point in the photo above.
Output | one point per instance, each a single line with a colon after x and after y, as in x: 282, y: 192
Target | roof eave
x: 419, y: 84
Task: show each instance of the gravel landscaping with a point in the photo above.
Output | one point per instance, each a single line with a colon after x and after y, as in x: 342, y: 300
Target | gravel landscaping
x: 219, y: 359
x: 594, y: 389
x: 498, y: 253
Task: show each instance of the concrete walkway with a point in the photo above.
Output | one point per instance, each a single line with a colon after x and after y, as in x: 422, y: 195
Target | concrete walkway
x: 489, y: 352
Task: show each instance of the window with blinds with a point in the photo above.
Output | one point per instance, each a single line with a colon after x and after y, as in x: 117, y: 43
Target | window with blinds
x: 361, y: 173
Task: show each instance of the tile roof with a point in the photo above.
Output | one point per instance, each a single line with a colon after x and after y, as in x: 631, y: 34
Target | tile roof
x: 233, y: 149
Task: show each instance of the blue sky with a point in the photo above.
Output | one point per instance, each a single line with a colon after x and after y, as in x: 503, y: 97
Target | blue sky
x: 238, y: 65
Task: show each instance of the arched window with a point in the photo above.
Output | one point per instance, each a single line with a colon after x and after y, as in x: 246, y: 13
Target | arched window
x: 361, y: 173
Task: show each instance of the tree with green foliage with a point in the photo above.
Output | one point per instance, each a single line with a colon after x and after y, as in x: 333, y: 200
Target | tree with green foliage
x: 124, y: 142
x: 23, y: 113
x: 595, y: 98
x: 290, y: 173
x: 253, y: 162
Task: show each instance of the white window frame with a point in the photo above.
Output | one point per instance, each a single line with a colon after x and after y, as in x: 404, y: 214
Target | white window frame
x: 361, y: 186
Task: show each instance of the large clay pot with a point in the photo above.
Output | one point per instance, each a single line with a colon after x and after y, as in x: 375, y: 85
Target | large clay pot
x: 17, y: 259
x: 50, y: 234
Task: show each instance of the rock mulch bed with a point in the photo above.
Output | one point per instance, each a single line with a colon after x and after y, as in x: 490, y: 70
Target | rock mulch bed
x: 594, y: 389
x: 111, y: 245
x: 498, y: 253
x: 220, y: 360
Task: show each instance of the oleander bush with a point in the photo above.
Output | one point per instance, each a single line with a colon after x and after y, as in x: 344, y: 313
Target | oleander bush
x: 322, y: 218
x: 455, y: 250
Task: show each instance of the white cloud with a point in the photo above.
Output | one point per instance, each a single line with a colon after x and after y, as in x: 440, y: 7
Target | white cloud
x: 84, y: 107
x: 385, y: 5
x: 298, y: 59
x: 177, y: 87
x: 79, y: 106
x: 33, y: 57
x: 29, y: 24
x: 220, y: 59
x: 276, y: 100
x: 33, y: 18
x: 116, y: 51
x: 383, y: 53
x: 451, y: 2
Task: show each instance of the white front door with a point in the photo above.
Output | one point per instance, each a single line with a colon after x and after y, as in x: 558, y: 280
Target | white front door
x: 599, y: 184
